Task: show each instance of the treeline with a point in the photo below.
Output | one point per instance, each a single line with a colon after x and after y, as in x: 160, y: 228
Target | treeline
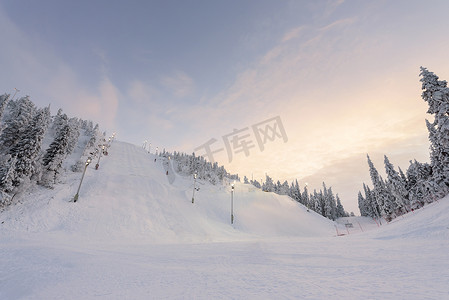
x: 190, y: 164
x: 24, y: 157
x: 323, y: 202
x: 422, y: 183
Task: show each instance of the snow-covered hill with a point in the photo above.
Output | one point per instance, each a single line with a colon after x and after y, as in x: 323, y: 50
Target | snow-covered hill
x: 135, y: 234
x: 130, y: 197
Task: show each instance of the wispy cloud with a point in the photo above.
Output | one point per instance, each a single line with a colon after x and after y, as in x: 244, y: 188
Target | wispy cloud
x: 37, y: 70
x: 338, y: 24
x: 331, y: 7
x: 292, y: 34
x: 99, y: 105
x: 180, y: 84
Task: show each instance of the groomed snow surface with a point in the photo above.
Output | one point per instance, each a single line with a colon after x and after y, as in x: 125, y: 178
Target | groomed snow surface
x: 135, y: 234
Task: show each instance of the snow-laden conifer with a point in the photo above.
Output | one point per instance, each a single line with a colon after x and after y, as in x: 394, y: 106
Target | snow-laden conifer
x: 27, y: 149
x: 15, y: 124
x: 397, y: 187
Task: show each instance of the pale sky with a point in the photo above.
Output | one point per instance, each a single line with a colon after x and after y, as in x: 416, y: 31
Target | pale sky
x: 342, y: 76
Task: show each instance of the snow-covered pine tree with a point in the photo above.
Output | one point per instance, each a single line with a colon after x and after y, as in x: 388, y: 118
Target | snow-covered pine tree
x: 291, y: 191
x: 397, y: 187
x: 389, y: 206
x: 362, y: 205
x: 314, y: 202
x: 372, y: 206
x: 284, y: 188
x: 268, y: 185
x: 340, y: 209
x: 297, y: 193
x: 7, y: 174
x: 74, y: 133
x: 54, y: 156
x: 377, y: 190
x: 415, y: 186
x: 22, y: 112
x: 305, y: 198
x: 27, y: 149
x: 277, y: 187
x: 332, y: 204
x: 436, y: 94
x: 327, y: 209
x: 381, y: 192
x: 429, y: 188
x: 319, y: 203
x: 59, y: 122
x: 403, y: 177
x: 3, y: 103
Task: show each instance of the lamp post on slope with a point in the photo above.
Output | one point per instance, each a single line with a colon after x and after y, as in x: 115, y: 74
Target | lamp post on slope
x: 99, y: 156
x: 194, y: 181
x: 232, y: 203
x: 82, y: 177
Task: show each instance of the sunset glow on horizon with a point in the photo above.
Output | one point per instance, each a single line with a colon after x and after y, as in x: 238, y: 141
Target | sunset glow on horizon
x: 342, y: 76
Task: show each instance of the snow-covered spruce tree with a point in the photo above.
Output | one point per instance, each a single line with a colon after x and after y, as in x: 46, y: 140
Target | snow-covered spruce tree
x: 292, y: 192
x: 54, y: 156
x: 296, y: 193
x: 388, y: 201
x: 22, y: 112
x: 436, y: 94
x: 331, y: 206
x: 305, y: 198
x: 377, y: 190
x: 284, y: 188
x: 421, y: 185
x: 368, y: 205
x: 398, y: 188
x: 327, y: 209
x: 59, y: 122
x: 314, y: 202
x: 403, y: 177
x: 381, y: 192
x: 268, y: 185
x: 430, y: 188
x: 362, y: 205
x: 319, y: 203
x: 74, y: 133
x: 277, y: 187
x: 340, y: 209
x: 7, y: 174
x: 324, y: 201
x: 414, y: 186
x: 371, y: 206
x: 3, y: 103
x: 27, y: 149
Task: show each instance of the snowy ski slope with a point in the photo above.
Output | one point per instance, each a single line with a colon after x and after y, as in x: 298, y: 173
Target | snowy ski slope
x: 134, y: 234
